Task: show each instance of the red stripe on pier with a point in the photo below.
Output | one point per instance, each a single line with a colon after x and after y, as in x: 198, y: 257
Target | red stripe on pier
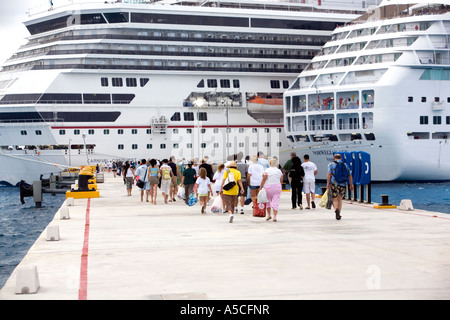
x: 82, y: 292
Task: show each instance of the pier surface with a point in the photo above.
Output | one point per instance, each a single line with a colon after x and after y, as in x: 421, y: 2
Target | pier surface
x: 116, y: 247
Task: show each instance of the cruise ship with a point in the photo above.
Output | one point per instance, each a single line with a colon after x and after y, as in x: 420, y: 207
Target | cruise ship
x: 381, y: 85
x: 117, y: 80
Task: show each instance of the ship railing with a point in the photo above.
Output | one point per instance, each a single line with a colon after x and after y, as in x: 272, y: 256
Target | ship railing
x: 180, y: 53
x: 18, y: 102
x: 165, y: 68
x: 219, y: 39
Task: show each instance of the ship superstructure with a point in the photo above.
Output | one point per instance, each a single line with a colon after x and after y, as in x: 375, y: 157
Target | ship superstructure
x: 118, y: 80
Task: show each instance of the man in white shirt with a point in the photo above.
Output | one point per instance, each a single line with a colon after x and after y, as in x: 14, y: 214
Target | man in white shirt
x: 309, y: 181
x: 254, y: 177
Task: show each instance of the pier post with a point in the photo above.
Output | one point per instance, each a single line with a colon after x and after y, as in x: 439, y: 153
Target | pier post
x: 37, y: 193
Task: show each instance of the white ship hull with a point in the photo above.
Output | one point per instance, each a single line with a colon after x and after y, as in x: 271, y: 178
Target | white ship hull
x: 387, y: 95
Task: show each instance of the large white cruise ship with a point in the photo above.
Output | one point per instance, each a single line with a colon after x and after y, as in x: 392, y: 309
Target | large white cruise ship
x: 381, y: 85
x: 103, y: 81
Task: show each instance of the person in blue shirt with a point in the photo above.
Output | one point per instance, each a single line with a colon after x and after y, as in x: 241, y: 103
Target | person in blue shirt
x: 336, y: 188
x: 142, y: 173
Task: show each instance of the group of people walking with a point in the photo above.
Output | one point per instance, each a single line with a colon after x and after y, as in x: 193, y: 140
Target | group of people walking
x: 302, y: 177
x: 236, y: 181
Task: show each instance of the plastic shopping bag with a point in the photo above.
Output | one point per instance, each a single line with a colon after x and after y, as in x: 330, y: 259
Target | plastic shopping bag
x: 323, y: 202
x: 192, y: 199
x: 262, y: 196
x: 217, y: 205
x: 181, y: 193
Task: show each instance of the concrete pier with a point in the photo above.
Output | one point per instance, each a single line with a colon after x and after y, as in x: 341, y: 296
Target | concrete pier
x: 116, y: 247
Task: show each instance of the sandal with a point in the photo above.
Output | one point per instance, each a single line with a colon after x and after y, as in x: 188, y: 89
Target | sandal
x: 268, y: 218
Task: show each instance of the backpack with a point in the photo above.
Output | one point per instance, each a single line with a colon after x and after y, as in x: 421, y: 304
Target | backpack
x: 166, y: 173
x: 341, y: 173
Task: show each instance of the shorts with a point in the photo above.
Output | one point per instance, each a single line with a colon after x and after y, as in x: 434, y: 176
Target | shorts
x: 129, y: 182
x: 154, y: 180
x: 254, y: 187
x: 245, y: 185
x: 229, y: 202
x: 337, y: 190
x: 309, y: 186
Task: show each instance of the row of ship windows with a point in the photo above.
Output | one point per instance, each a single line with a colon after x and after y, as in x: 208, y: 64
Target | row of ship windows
x: 91, y: 147
x: 424, y: 99
x: 436, y: 120
x: 177, y: 19
x: 191, y: 145
x: 210, y: 83
x: 332, y: 137
x: 330, y: 101
x: 147, y: 131
x: 118, y: 82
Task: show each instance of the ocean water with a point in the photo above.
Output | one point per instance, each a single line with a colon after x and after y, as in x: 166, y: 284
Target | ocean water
x: 431, y: 196
x: 21, y: 225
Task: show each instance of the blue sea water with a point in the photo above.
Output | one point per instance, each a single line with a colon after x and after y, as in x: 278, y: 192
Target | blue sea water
x: 21, y: 225
x: 430, y: 196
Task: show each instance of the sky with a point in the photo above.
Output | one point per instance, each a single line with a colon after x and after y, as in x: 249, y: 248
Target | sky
x: 12, y: 30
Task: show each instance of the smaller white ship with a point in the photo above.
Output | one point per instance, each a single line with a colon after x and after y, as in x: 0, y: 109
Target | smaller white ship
x: 381, y: 85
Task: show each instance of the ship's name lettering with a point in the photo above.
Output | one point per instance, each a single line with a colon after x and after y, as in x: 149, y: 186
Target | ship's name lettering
x: 323, y: 152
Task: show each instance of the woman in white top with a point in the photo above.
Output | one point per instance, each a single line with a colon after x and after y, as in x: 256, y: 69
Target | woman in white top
x: 254, y: 177
x: 128, y: 177
x: 218, y: 178
x: 272, y: 180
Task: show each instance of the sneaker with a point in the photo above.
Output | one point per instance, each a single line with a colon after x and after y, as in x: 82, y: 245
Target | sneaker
x: 242, y: 210
x: 338, y: 216
x: 301, y: 207
x: 313, y: 204
x: 231, y: 218
x: 235, y: 210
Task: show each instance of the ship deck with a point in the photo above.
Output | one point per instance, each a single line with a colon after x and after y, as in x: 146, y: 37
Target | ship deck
x: 115, y: 247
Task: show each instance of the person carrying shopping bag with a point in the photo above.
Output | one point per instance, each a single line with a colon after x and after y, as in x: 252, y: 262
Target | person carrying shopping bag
x: 272, y: 181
